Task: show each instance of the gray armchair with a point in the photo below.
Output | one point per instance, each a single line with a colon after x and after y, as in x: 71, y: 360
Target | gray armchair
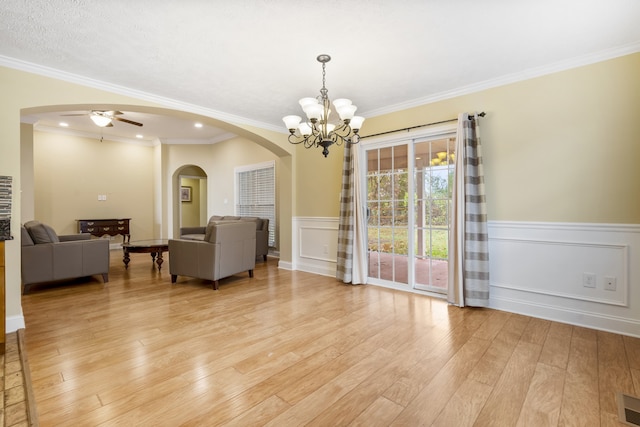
x: 228, y: 248
x: 262, y: 231
x: 47, y: 257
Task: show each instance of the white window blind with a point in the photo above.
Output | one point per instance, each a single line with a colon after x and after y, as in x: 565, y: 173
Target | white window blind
x: 256, y: 194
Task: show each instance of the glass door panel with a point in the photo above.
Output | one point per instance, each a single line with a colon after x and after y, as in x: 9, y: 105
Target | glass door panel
x: 433, y: 176
x: 388, y: 211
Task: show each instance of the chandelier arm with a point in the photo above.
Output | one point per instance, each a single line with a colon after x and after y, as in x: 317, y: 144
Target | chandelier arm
x: 293, y: 139
x: 310, y: 141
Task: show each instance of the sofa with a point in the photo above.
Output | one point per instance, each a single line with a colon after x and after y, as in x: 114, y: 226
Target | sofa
x: 261, y: 224
x: 228, y: 248
x: 47, y: 257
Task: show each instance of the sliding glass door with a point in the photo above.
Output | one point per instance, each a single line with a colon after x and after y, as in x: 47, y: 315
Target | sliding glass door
x: 409, y: 187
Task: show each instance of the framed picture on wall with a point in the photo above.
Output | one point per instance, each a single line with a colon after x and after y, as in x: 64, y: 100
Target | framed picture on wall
x: 185, y: 194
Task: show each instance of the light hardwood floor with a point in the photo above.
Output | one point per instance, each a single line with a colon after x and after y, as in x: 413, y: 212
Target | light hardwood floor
x: 291, y: 348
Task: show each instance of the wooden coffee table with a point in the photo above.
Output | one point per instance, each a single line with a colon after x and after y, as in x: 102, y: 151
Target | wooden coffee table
x: 154, y: 247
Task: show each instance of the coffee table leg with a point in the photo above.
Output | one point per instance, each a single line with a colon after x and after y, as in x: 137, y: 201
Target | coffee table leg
x: 159, y: 261
x: 126, y: 258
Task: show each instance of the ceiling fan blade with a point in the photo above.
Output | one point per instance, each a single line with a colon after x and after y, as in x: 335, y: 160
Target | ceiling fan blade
x: 131, y: 122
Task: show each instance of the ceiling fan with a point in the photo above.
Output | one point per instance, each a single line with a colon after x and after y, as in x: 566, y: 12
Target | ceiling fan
x: 105, y: 118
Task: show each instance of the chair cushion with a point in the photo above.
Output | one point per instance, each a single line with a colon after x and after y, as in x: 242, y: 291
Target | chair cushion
x: 192, y: 237
x: 25, y: 237
x: 41, y: 233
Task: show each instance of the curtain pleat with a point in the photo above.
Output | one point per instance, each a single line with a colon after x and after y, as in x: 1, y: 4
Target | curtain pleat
x: 469, y: 238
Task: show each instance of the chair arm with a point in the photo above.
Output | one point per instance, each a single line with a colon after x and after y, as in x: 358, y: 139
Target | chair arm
x: 194, y: 258
x: 192, y: 230
x: 74, y: 237
x: 37, y: 263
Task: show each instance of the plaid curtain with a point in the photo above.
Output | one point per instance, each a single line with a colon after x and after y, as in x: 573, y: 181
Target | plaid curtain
x: 352, y: 261
x: 344, y: 268
x: 469, y: 238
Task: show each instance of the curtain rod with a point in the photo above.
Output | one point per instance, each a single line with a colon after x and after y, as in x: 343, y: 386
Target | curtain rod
x: 482, y: 114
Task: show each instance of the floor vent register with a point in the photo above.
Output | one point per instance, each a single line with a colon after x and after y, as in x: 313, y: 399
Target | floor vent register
x: 629, y: 409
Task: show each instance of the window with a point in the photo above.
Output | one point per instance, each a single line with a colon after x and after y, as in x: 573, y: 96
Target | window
x: 256, y: 194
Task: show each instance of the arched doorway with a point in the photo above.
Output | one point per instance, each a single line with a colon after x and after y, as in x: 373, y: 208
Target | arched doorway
x: 193, y: 196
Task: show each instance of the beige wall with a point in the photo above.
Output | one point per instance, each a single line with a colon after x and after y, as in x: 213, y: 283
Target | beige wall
x: 71, y: 171
x: 557, y: 148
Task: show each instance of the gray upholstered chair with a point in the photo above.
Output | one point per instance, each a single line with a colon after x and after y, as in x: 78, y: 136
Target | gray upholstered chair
x: 47, y: 257
x: 262, y: 231
x: 228, y: 248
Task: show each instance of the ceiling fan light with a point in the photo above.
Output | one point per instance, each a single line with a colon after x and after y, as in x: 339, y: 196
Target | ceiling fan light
x: 100, y: 120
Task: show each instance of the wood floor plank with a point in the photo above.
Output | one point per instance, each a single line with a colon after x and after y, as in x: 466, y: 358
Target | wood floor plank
x: 315, y: 403
x: 444, y: 385
x: 379, y: 414
x: 406, y: 388
x: 614, y: 373
x: 465, y: 405
x: 293, y: 348
x: 555, y: 351
x: 544, y: 398
x: 505, y: 402
x: 632, y: 348
x: 580, y: 399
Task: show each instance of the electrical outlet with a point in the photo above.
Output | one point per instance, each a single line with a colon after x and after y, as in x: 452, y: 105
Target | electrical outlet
x: 610, y: 283
x: 589, y: 280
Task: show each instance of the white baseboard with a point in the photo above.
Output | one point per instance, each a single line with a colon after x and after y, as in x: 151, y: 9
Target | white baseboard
x: 556, y: 313
x: 13, y: 323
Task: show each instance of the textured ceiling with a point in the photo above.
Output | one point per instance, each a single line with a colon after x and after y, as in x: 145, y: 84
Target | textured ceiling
x: 250, y: 61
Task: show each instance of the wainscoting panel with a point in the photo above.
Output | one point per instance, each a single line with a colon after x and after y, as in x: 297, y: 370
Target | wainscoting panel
x: 538, y: 269
x: 315, y: 245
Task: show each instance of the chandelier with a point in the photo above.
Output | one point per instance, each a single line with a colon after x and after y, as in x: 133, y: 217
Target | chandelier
x: 318, y: 132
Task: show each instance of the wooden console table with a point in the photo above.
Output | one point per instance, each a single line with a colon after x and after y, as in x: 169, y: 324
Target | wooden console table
x: 100, y: 227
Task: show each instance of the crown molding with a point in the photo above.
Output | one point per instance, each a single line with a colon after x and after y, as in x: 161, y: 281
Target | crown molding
x: 567, y: 64
x: 187, y: 141
x: 122, y: 90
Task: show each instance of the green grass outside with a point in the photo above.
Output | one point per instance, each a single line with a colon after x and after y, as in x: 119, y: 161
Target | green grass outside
x: 388, y: 240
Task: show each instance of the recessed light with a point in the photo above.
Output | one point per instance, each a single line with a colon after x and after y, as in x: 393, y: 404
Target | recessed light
x: 198, y: 125
x: 139, y: 136
x: 64, y: 124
